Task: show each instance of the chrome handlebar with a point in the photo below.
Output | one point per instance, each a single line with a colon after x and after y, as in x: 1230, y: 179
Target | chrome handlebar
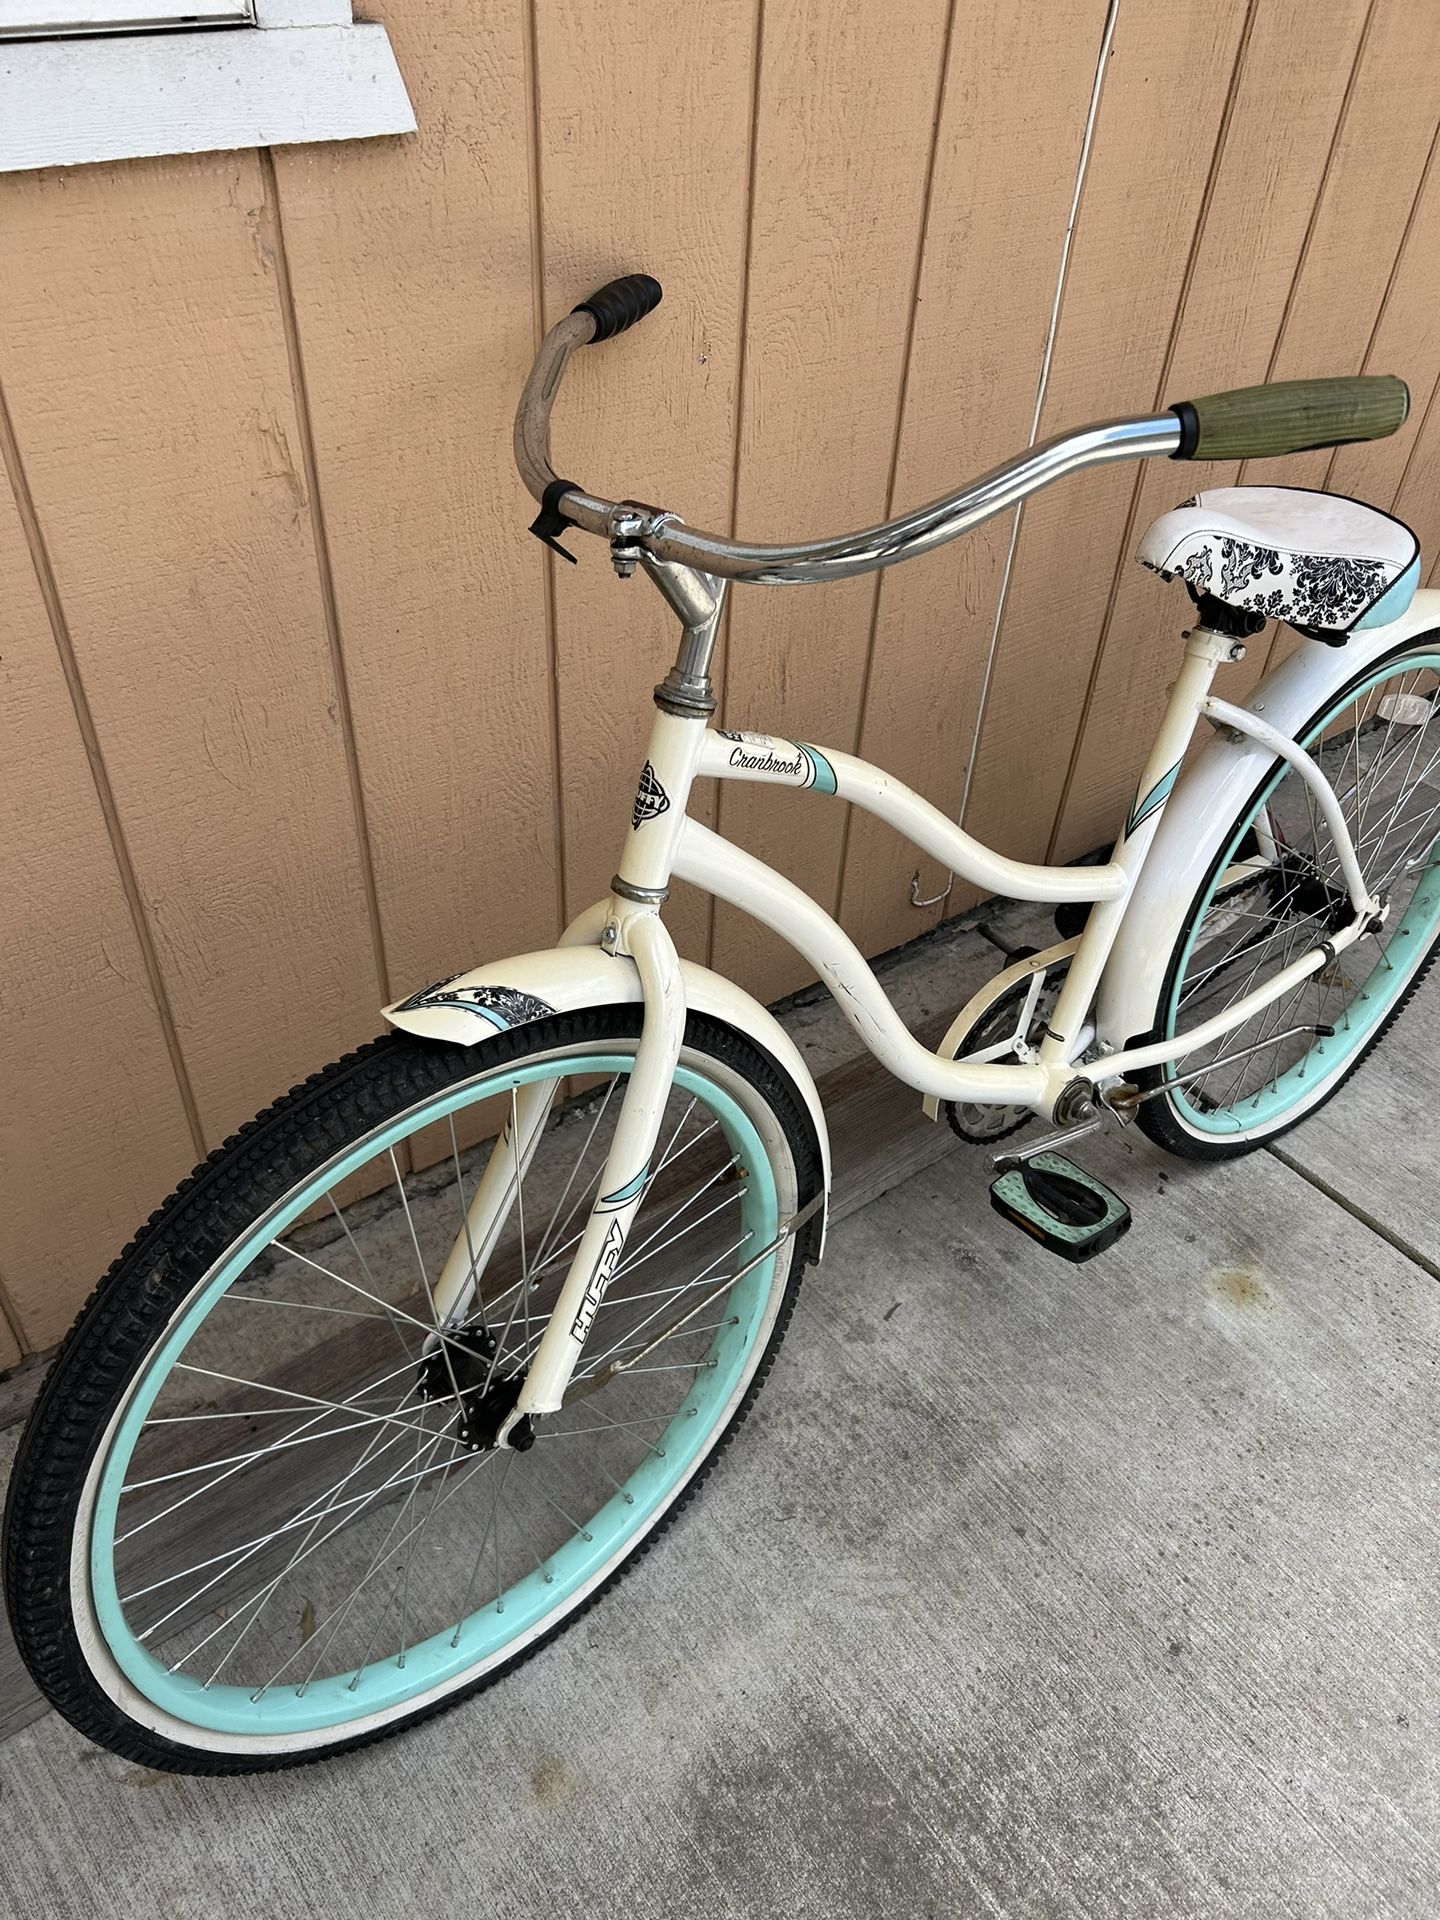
x: 663, y: 537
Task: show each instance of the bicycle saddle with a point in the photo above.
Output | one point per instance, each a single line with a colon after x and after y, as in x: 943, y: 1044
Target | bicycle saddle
x: 1327, y: 564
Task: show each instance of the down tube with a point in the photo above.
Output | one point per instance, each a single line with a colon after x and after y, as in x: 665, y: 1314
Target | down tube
x: 706, y: 861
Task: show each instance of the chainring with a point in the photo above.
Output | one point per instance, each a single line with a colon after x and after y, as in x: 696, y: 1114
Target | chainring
x: 982, y: 1124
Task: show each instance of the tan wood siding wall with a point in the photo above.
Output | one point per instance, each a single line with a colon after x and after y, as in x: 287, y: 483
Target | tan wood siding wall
x: 294, y: 714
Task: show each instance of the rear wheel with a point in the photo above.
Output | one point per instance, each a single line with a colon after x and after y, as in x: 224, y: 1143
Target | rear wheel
x: 254, y: 1517
x: 1275, y: 891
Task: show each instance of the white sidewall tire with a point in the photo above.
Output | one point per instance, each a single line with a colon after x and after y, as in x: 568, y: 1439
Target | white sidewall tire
x: 789, y: 1159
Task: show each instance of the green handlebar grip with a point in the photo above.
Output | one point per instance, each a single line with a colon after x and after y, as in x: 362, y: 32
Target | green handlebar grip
x: 1290, y: 416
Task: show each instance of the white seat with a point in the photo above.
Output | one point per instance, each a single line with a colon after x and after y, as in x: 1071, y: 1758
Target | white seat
x: 1322, y: 561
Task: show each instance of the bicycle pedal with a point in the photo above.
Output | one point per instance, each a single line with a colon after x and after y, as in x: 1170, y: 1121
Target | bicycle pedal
x: 1060, y: 1205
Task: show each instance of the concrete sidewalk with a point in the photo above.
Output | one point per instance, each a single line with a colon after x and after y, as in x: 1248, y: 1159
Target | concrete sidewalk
x: 1027, y: 1590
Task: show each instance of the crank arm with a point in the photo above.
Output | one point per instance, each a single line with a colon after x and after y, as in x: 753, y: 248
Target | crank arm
x: 1006, y: 1162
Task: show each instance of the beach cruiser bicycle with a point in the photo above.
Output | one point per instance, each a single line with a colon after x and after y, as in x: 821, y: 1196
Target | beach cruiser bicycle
x: 401, y: 1378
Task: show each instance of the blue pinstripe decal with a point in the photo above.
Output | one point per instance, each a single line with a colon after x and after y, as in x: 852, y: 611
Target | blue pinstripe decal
x: 822, y: 774
x: 624, y: 1194
x: 1153, y: 800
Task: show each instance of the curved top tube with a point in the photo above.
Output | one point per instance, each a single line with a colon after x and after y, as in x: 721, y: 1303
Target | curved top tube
x: 662, y: 536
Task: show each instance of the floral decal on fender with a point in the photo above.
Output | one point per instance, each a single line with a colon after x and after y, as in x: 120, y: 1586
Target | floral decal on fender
x: 501, y: 1007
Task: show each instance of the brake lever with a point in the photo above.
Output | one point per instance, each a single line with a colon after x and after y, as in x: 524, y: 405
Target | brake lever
x: 550, y: 523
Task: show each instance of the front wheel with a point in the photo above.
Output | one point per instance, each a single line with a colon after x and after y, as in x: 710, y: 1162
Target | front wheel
x: 250, y: 1521
x: 1275, y: 891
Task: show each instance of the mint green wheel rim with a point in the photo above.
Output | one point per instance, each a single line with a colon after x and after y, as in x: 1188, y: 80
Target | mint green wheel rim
x: 489, y: 1631
x: 1365, y: 1013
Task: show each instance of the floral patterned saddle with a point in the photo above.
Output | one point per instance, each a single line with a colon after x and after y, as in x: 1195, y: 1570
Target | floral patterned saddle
x: 1321, y: 561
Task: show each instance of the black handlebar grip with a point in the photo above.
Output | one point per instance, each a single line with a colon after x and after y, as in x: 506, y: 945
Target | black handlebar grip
x: 620, y: 303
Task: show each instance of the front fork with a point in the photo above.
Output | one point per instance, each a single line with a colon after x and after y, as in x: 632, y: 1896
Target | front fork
x: 623, y: 1182
x: 626, y: 1174
x: 632, y: 928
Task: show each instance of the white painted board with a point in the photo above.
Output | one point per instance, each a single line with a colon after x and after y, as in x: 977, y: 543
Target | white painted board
x: 70, y: 102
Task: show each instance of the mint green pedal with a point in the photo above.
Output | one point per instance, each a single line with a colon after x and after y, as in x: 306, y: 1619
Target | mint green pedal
x: 1060, y: 1205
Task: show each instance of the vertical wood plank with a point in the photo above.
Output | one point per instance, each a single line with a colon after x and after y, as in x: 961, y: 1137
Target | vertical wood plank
x: 411, y: 273
x: 10, y: 1350
x: 1160, y: 114
x: 92, y: 1127
x: 1381, y: 156
x: 1016, y: 96
x: 1403, y: 472
x: 1417, y: 500
x: 148, y: 378
x: 645, y: 120
x: 845, y: 124
x: 1269, y: 174
x: 1406, y: 341
x: 1381, y: 152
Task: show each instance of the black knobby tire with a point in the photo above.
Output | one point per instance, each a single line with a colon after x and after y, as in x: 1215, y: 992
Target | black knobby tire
x: 1156, y: 1114
x: 125, y: 1316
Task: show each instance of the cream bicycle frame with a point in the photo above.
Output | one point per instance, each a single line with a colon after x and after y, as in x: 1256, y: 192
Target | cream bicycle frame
x: 1076, y: 1060
x: 665, y: 843
x: 673, y: 845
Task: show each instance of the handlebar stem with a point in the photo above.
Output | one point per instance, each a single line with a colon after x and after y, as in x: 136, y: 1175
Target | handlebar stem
x: 699, y: 600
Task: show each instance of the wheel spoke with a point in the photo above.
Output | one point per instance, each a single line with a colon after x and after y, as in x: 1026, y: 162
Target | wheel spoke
x: 339, y: 1279
x: 287, y: 1393
x: 499, y: 1479
x: 235, y: 1557
x: 551, y: 1232
x: 255, y: 1607
x: 1378, y: 764
x: 460, y: 1482
x: 364, y: 1510
x: 593, y: 1365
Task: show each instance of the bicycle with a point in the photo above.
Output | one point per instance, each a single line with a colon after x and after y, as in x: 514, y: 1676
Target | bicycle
x: 299, y: 1475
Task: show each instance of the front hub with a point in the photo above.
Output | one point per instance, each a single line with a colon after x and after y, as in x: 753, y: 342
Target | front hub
x: 462, y: 1368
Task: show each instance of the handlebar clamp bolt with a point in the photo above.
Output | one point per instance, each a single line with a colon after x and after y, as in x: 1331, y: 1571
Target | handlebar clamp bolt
x: 628, y: 525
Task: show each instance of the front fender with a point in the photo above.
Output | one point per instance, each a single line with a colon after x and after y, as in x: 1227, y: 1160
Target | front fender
x: 510, y: 993
x: 1201, y: 812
